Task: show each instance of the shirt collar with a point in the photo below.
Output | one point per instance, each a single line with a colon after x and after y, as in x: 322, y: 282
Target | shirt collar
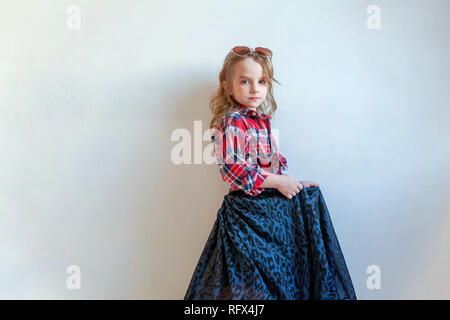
x: 249, y: 112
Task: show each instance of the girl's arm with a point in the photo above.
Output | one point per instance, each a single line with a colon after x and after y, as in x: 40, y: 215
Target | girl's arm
x: 272, y: 181
x: 230, y: 150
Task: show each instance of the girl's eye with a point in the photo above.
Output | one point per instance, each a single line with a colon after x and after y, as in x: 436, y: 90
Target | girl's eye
x: 263, y: 81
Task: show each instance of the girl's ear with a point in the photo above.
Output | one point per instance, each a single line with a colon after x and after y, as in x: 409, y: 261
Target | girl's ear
x: 224, y: 86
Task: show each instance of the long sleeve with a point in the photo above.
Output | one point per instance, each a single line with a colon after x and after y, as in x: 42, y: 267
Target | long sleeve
x: 231, y: 150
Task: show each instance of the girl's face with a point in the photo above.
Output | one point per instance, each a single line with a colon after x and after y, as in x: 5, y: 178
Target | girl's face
x: 248, y: 82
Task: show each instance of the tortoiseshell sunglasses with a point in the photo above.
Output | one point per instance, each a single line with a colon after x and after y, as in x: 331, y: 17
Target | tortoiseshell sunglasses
x: 244, y: 51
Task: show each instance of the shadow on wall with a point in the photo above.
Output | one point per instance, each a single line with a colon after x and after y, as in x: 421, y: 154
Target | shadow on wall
x: 178, y: 202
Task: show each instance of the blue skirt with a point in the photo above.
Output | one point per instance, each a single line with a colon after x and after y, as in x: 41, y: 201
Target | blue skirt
x: 269, y: 247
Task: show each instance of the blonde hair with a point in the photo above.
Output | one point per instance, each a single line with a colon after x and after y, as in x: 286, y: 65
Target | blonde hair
x: 221, y: 103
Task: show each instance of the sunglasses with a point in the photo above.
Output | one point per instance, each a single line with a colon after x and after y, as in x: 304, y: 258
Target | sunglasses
x: 244, y: 51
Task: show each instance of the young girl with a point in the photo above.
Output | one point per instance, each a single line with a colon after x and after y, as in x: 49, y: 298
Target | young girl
x: 273, y: 237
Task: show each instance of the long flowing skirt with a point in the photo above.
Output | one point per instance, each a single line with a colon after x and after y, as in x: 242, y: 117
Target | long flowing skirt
x: 269, y: 247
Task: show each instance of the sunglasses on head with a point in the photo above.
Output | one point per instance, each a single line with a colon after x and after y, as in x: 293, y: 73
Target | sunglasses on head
x: 244, y: 51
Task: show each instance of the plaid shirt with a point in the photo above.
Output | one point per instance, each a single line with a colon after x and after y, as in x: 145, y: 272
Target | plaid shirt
x: 245, y: 150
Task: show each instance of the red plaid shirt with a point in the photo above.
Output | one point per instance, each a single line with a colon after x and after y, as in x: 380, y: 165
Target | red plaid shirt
x: 245, y: 150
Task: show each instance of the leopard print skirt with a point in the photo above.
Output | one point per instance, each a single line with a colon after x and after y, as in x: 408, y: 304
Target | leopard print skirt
x: 269, y: 247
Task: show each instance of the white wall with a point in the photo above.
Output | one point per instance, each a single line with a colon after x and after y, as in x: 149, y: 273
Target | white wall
x: 86, y: 117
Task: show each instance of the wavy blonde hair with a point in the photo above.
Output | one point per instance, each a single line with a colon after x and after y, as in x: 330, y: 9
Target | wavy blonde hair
x: 221, y: 103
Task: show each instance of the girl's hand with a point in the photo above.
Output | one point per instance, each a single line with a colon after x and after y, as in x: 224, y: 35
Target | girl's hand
x: 288, y: 186
x: 307, y: 184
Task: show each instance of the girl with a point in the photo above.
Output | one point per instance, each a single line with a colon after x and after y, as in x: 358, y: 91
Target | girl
x: 273, y: 237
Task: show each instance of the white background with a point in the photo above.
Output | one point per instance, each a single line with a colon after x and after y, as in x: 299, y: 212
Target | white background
x: 86, y: 116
